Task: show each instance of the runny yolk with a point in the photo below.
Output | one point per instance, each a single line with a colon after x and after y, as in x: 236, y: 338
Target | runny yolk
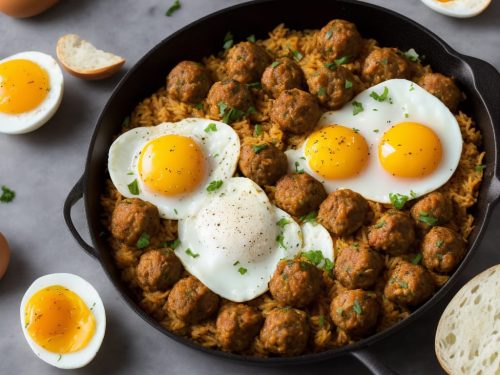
x: 172, y: 165
x: 23, y: 86
x: 336, y: 152
x: 58, y: 320
x: 410, y: 149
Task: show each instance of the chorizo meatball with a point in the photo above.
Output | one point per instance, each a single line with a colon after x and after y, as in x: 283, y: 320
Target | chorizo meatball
x: 339, y: 38
x: 263, y: 163
x: 443, y: 88
x: 333, y: 88
x: 433, y: 209
x: 343, y: 212
x: 393, y: 233
x: 231, y: 93
x: 299, y: 194
x: 131, y: 218
x: 295, y: 283
x: 355, y: 311
x: 442, y: 249
x: 295, y: 111
x: 283, y: 74
x: 237, y: 325
x: 383, y: 64
x: 246, y: 61
x: 191, y: 301
x: 409, y: 284
x: 158, y: 269
x: 188, y: 82
x: 358, y: 266
x: 285, y: 331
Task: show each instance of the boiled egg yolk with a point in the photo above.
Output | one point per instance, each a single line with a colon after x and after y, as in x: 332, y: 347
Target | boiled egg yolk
x: 172, y: 165
x: 336, y: 152
x: 58, y: 320
x: 23, y: 86
x: 410, y: 149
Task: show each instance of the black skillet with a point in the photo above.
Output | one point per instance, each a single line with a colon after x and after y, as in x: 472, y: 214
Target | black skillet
x: 478, y: 79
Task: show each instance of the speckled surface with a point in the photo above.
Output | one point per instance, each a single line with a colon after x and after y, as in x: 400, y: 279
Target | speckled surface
x: 43, y: 166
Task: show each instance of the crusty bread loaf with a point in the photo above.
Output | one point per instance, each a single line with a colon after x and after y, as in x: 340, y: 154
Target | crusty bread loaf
x: 83, y: 60
x: 468, y: 333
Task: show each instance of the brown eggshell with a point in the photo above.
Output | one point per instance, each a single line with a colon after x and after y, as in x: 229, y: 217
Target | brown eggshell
x: 4, y: 255
x: 25, y: 8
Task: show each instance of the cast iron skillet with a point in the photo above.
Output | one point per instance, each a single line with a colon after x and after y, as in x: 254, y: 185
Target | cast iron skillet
x: 478, y: 79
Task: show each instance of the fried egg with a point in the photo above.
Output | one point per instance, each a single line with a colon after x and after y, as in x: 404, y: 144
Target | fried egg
x: 315, y: 237
x: 63, y: 320
x: 236, y: 239
x: 175, y: 166
x: 458, y: 8
x: 393, y: 138
x: 31, y: 89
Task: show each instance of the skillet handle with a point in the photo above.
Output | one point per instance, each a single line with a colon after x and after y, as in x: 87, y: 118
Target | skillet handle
x: 74, y: 196
x: 372, y: 363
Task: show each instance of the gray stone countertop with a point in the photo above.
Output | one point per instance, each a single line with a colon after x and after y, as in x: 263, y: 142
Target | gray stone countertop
x: 43, y: 166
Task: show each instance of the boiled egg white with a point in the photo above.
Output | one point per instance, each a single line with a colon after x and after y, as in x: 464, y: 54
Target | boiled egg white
x: 63, y: 320
x: 31, y: 89
x: 174, y: 166
x: 393, y: 138
x: 458, y: 8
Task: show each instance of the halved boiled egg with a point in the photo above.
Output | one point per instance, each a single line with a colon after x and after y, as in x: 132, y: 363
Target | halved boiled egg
x: 458, y: 8
x: 63, y: 320
x: 31, y: 89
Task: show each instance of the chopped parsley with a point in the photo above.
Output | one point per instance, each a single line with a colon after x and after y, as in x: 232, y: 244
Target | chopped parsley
x: 214, y: 185
x: 439, y: 256
x: 357, y: 307
x: 212, y: 127
x: 439, y: 243
x: 348, y: 84
x: 199, y: 106
x: 297, y: 169
x: 173, y: 8
x: 355, y: 130
x: 297, y: 56
x: 417, y: 258
x: 328, y: 34
x: 321, y: 321
x: 242, y: 270
x: 398, y: 200
x: 321, y: 91
x: 282, y: 222
x: 376, y: 130
x: 8, y: 195
x: 59, y: 358
x: 191, y: 254
x: 133, y: 187
x: 236, y: 263
x: 407, y: 115
x: 413, y: 194
x: 342, y: 60
x: 357, y: 107
x: 280, y: 238
x: 309, y: 218
x: 477, y: 168
x: 411, y: 55
x: 328, y: 266
x: 228, y: 40
x: 384, y: 61
x: 257, y: 130
x: 403, y: 284
x: 331, y: 66
x: 251, y: 38
x: 316, y: 257
x: 229, y: 114
x: 254, y: 85
x: 382, y: 97
x: 275, y: 64
x: 143, y: 241
x: 426, y: 218
x: 259, y: 148
x: 380, y: 224
x: 412, y: 87
x: 172, y: 244
x: 340, y: 311
x: 130, y: 173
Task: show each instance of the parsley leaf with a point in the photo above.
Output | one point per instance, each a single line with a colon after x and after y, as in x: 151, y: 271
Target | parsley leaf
x: 328, y: 267
x: 331, y: 66
x: 357, y: 107
x: 275, y: 64
x: 439, y: 243
x: 133, y: 187
x: 411, y: 55
x: 199, y: 106
x: 172, y: 244
x: 242, y: 270
x: 282, y: 222
x: 280, y: 238
x: 479, y: 168
x: 8, y: 195
x: 321, y: 321
x: 357, y: 307
x: 257, y: 130
x: 236, y: 263
x: 413, y: 194
x: 398, y: 200
x: 417, y: 258
x: 382, y: 97
x: 297, y: 56
x: 259, y: 148
x: 254, y: 85
x: 228, y: 40
x: 328, y: 34
x: 342, y: 60
x: 191, y: 254
x: 309, y: 218
x: 426, y: 218
x: 143, y: 241
x: 348, y: 84
x: 229, y: 114
x: 321, y: 91
x: 380, y: 224
x: 297, y: 169
x: 214, y: 185
x: 212, y: 127
x: 173, y: 8
x: 251, y: 38
x: 313, y: 256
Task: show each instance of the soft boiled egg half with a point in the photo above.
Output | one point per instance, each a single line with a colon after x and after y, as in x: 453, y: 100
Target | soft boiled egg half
x: 393, y: 138
x: 31, y: 89
x: 458, y: 8
x: 174, y: 166
x: 63, y: 320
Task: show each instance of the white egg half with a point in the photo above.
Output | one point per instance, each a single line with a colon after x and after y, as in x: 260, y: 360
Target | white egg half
x: 458, y: 8
x: 405, y: 102
x: 236, y: 239
x: 316, y: 237
x: 30, y: 120
x: 91, y: 299
x: 219, y: 145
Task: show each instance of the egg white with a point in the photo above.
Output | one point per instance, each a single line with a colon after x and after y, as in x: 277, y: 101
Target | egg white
x: 93, y: 301
x: 316, y: 237
x: 409, y: 103
x: 220, y: 148
x: 29, y: 121
x: 458, y: 8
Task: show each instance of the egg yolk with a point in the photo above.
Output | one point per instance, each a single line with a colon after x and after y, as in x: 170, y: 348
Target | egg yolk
x: 58, y: 320
x: 336, y: 152
x: 410, y: 149
x: 172, y: 165
x: 23, y: 86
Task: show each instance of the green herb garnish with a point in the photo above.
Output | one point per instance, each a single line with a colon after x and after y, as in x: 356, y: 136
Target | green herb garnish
x: 259, y: 148
x: 199, y: 106
x: 321, y: 91
x: 242, y: 270
x: 143, y: 241
x: 321, y: 321
x: 172, y: 244
x: 479, y: 168
x: 331, y: 66
x: 380, y: 224
x: 229, y: 114
x: 348, y: 84
x: 282, y: 222
x: 297, y: 169
x: 340, y: 311
x: 313, y: 256
x: 297, y: 55
x: 398, y: 200
x: 251, y: 38
x: 439, y: 243
x: 254, y: 85
x: 417, y: 258
x: 382, y: 97
x: 126, y: 123
x: 133, y: 187
x: 257, y: 130
x: 8, y: 195
x: 413, y: 194
x: 173, y: 8
x: 280, y: 238
x: 357, y: 107
x: 191, y: 254
x: 236, y: 263
x: 426, y: 218
x: 355, y: 130
x: 275, y: 64
x: 357, y: 307
x: 411, y: 55
x: 309, y: 218
x: 214, y: 185
x: 228, y: 40
x: 342, y: 60
x: 328, y: 34
x: 212, y: 127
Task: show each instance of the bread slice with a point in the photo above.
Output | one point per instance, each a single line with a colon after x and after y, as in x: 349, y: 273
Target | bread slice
x: 468, y: 333
x: 83, y: 60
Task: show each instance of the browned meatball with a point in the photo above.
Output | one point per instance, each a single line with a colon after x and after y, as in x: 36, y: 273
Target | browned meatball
x: 285, y: 331
x: 433, y: 209
x: 283, y: 74
x: 246, y: 61
x: 358, y: 266
x: 295, y: 111
x: 393, y: 233
x: 188, y: 82
x: 133, y: 217
x: 299, y: 194
x: 230, y: 94
x: 191, y: 301
x: 355, y: 311
x: 409, y: 284
x: 237, y: 325
x: 338, y: 39
x: 333, y: 87
x: 263, y: 163
x: 442, y: 249
x: 158, y: 270
x: 443, y: 88
x: 295, y: 283
x: 383, y: 64
x: 343, y: 212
